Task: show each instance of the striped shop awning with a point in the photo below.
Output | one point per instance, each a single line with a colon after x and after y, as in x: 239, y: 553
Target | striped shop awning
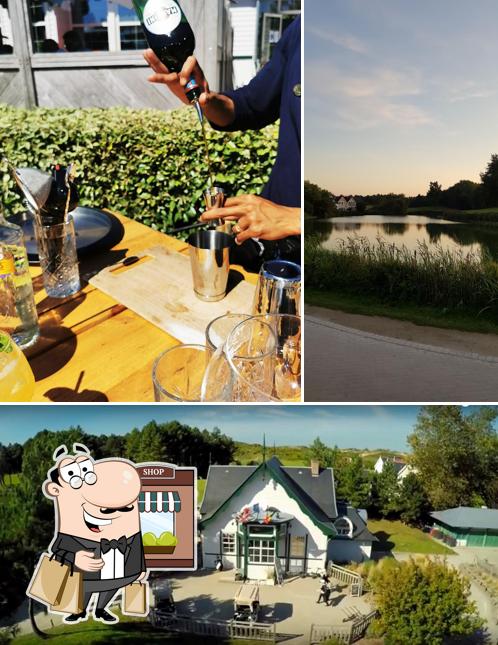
x: 159, y: 502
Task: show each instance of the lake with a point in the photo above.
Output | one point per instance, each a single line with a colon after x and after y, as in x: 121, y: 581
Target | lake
x: 409, y: 230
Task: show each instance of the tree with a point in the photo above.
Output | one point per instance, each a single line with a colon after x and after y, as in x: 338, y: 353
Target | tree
x: 322, y: 453
x: 464, y: 195
x: 422, y: 601
x: 456, y: 455
x: 318, y: 202
x: 354, y: 483
x: 387, y: 489
x: 489, y: 180
x: 413, y: 503
x: 434, y: 193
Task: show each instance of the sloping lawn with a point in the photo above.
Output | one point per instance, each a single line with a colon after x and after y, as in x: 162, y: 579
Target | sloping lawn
x: 201, y: 487
x: 396, y: 536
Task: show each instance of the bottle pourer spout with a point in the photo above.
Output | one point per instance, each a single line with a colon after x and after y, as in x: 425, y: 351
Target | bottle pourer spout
x: 198, y: 110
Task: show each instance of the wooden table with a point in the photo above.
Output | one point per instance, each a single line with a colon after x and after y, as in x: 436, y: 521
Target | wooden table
x: 91, y: 347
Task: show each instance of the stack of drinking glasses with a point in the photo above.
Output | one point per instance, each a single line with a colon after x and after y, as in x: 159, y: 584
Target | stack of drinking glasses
x: 247, y: 357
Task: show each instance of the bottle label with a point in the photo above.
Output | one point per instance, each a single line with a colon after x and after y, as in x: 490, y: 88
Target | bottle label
x: 5, y: 343
x: 20, y: 266
x: 162, y: 16
x: 7, y: 267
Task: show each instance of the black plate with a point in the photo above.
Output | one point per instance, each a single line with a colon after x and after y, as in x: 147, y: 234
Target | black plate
x: 95, y: 231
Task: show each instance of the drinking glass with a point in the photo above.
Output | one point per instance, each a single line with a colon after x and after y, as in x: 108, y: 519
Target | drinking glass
x: 219, y: 329
x: 58, y: 258
x: 285, y: 384
x: 177, y: 374
x: 253, y: 353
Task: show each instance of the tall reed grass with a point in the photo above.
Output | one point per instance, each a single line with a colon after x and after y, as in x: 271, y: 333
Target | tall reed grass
x: 428, y: 275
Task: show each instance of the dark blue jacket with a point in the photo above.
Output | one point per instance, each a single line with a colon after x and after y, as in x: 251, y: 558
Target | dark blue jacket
x: 272, y: 94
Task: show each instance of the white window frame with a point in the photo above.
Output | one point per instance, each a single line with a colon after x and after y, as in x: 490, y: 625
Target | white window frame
x: 259, y: 548
x: 113, y: 26
x: 228, y: 543
x: 341, y: 530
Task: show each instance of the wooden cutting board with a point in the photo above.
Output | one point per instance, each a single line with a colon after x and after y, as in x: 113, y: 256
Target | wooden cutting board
x: 159, y: 288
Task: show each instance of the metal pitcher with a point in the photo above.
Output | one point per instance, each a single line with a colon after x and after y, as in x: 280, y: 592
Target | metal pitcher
x: 279, y: 289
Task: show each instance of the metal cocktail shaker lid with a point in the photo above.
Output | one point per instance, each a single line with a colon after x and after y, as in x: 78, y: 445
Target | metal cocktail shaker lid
x: 34, y: 184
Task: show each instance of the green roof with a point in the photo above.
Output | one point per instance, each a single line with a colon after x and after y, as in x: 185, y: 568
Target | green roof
x: 468, y: 517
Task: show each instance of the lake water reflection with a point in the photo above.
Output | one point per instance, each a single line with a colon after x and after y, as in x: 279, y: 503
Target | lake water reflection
x: 409, y: 230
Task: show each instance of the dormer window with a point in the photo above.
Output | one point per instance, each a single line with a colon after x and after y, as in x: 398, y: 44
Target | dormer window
x: 344, y: 526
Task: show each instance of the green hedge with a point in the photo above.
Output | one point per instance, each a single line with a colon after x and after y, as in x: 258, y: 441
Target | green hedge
x: 147, y: 164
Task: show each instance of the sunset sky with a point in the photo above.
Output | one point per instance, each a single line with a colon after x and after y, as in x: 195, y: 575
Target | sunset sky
x: 399, y: 93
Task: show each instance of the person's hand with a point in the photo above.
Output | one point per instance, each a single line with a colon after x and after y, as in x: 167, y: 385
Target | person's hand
x: 257, y: 217
x: 218, y: 108
x: 86, y: 561
x: 142, y: 576
x: 176, y: 82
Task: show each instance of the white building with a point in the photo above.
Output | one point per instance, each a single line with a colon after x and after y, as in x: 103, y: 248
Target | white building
x: 345, y: 203
x: 268, y: 519
x: 401, y: 468
x: 257, y: 27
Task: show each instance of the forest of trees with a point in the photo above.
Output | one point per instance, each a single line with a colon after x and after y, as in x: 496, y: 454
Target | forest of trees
x: 454, y: 452
x: 27, y: 518
x: 463, y: 195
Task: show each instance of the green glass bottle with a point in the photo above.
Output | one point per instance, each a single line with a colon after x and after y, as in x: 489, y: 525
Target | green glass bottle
x: 170, y: 37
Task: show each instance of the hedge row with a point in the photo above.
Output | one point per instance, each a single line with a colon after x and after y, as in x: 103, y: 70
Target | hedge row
x: 147, y: 164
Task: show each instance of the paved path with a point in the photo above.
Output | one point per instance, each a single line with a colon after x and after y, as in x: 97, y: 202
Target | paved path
x: 345, y: 364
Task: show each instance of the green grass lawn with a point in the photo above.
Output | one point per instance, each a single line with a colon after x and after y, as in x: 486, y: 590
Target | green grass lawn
x: 201, y: 487
x: 396, y: 536
x: 128, y: 630
x: 420, y: 315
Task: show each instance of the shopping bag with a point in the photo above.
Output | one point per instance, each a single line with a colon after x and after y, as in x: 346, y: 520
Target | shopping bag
x: 71, y: 599
x: 48, y: 581
x: 134, y: 599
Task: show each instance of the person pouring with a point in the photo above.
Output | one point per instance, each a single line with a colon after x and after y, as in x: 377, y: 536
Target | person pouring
x: 269, y: 224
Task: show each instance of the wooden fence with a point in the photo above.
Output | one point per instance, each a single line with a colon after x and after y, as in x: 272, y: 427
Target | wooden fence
x: 216, y: 628
x: 343, y: 633
x: 349, y: 577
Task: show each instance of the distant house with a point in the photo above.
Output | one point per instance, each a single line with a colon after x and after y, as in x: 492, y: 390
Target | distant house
x: 468, y: 526
x: 260, y: 519
x: 401, y: 468
x: 345, y: 203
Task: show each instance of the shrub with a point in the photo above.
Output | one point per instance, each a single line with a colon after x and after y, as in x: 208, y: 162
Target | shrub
x: 147, y: 164
x: 422, y: 601
x: 452, y: 280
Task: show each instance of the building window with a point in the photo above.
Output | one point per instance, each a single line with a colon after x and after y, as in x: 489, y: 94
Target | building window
x: 131, y: 36
x: 344, y: 526
x: 84, y: 26
x: 297, y: 546
x: 6, y: 42
x: 261, y: 551
x: 228, y: 543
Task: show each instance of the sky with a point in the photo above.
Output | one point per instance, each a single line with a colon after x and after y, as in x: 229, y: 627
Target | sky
x: 399, y: 93
x: 355, y: 426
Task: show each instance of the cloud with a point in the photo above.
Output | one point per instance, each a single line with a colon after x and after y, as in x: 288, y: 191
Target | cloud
x: 357, y: 101
x: 470, y: 91
x: 344, y: 40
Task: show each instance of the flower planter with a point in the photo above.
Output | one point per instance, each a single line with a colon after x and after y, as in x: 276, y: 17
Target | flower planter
x: 160, y: 549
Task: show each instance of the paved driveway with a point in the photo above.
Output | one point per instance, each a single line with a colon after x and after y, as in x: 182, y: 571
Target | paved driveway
x: 292, y: 606
x: 342, y: 364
